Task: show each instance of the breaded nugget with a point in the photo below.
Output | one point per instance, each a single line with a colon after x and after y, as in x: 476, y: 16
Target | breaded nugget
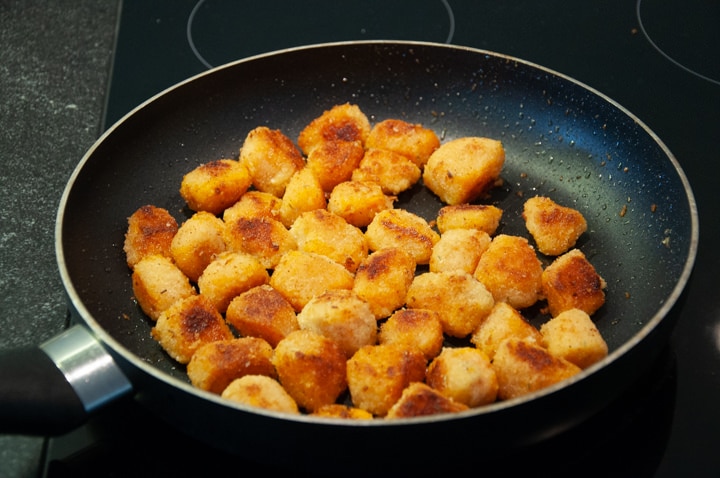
x: 158, y: 283
x: 483, y: 217
x: 254, y: 204
x: 404, y: 230
x: 463, y: 169
x: 260, y: 391
x: 266, y: 239
x: 262, y: 312
x: 344, y: 122
x: 383, y: 278
x: 341, y: 316
x: 523, y: 367
x: 461, y: 301
x: 187, y: 325
x: 555, y: 228
x: 358, y: 202
x: 571, y: 282
x: 419, y: 399
x: 503, y: 323
x: 197, y: 242
x: 378, y: 374
x: 271, y: 158
x: 511, y: 271
x: 229, y: 275
x: 215, y: 186
x: 414, y: 328
x: 337, y: 410
x: 412, y: 140
x: 300, y: 276
x: 150, y: 231
x: 465, y: 375
x: 303, y: 193
x: 213, y: 366
x: 328, y: 234
x: 311, y: 367
x: 392, y: 171
x: 333, y: 162
x: 573, y: 335
x: 459, y: 250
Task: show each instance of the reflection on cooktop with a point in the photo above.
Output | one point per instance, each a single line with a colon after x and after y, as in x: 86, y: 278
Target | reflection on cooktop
x: 213, y: 25
x: 681, y: 31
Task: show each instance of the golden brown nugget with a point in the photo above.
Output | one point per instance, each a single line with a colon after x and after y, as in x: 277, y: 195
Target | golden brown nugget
x: 465, y: 375
x: 189, y: 324
x: 378, y: 374
x: 158, y: 283
x: 215, y: 186
x: 482, y: 217
x: 337, y: 410
x: 573, y: 335
x: 571, y: 282
x: 229, y: 275
x: 254, y: 204
x: 264, y: 238
x: 358, y: 202
x: 554, y: 228
x: 344, y: 122
x: 271, y: 159
x: 341, y: 316
x: 394, y: 172
x: 328, y: 234
x: 461, y: 301
x: 419, y: 399
x: 303, y: 193
x: 300, y: 276
x: 333, y: 162
x: 414, y: 328
x: 262, y: 312
x: 411, y: 140
x: 213, y: 366
x: 260, y: 391
x: 511, y: 271
x: 150, y: 231
x: 503, y: 323
x: 197, y: 242
x: 402, y: 229
x: 459, y: 249
x: 524, y: 367
x: 311, y: 368
x: 383, y: 279
x: 461, y: 170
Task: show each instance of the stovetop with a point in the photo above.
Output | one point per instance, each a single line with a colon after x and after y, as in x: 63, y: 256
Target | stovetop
x: 658, y: 59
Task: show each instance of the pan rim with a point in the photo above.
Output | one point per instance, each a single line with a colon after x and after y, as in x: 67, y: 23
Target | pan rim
x: 651, y: 324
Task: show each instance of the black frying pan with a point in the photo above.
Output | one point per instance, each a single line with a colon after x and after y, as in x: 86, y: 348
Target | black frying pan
x: 562, y: 139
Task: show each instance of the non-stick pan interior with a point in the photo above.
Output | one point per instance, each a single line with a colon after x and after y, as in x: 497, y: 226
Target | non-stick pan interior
x: 562, y: 140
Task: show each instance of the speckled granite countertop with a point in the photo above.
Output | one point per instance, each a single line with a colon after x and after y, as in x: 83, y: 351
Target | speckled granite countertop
x: 54, y: 68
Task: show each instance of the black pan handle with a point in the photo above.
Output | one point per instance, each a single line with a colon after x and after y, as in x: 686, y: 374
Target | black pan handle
x: 51, y: 389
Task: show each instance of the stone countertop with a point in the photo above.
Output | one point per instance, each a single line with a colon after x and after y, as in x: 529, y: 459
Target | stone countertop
x: 54, y: 69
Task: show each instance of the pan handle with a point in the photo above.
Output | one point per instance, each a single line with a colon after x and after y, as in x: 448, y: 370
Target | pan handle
x: 51, y: 389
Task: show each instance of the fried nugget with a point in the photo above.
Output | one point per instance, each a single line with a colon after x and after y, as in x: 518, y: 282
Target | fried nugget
x: 419, y: 399
x: 573, y: 335
x: 503, y: 322
x: 311, y: 367
x: 338, y: 410
x: 461, y: 301
x: 158, y: 283
x: 411, y: 140
x: 187, y: 325
x: 554, y: 228
x: 394, y: 172
x: 333, y: 162
x: 461, y: 170
x: 483, y: 217
x: 150, y: 231
x: 511, y: 271
x: 571, y: 282
x: 229, y: 275
x: 264, y: 238
x: 262, y: 312
x: 358, y: 202
x: 271, y: 159
x: 465, y: 375
x: 254, y: 204
x: 383, y: 279
x: 213, y: 366
x: 459, y: 249
x: 414, y: 328
x: 303, y: 193
x: 260, y: 391
x: 215, y: 186
x: 404, y: 230
x: 344, y: 122
x: 197, y: 242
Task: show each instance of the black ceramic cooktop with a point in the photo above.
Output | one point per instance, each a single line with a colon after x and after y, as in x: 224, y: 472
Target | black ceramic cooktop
x: 656, y: 58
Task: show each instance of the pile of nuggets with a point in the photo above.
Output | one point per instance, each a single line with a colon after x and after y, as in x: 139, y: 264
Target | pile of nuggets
x: 297, y: 286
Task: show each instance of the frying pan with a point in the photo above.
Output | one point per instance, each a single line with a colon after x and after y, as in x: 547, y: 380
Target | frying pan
x: 562, y: 139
